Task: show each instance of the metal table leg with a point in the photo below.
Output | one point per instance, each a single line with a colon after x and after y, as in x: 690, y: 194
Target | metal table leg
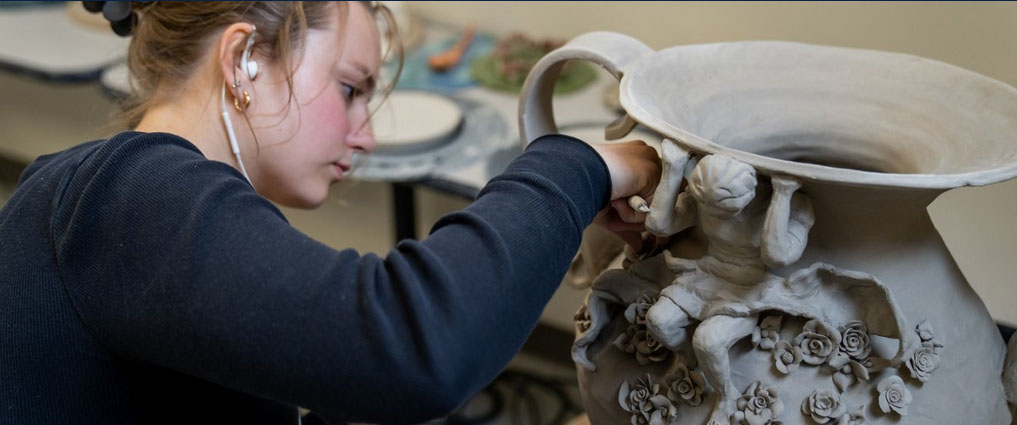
x: 404, y: 206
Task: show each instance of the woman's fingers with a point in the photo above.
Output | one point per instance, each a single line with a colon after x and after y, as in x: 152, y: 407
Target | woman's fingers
x: 639, y: 204
x: 626, y: 213
x: 635, y: 170
x: 633, y: 166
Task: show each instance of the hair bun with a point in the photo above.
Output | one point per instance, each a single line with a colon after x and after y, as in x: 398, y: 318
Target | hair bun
x: 121, y: 15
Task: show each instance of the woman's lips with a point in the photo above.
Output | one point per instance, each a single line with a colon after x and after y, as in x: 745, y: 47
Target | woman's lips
x: 341, y: 168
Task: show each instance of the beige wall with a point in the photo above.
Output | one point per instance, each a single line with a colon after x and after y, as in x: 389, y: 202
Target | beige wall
x: 978, y: 224
x: 975, y: 35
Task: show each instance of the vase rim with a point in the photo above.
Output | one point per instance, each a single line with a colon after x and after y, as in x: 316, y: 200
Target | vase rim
x: 1004, y: 168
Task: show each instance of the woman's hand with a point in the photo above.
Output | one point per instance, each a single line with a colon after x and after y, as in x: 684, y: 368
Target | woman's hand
x: 635, y: 170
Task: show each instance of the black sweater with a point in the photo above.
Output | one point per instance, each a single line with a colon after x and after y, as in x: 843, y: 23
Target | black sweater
x: 142, y: 283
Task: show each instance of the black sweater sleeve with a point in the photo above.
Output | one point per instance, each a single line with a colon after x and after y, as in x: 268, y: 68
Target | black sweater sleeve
x: 173, y: 260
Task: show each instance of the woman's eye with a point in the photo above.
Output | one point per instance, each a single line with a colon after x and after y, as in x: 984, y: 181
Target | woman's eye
x: 350, y: 92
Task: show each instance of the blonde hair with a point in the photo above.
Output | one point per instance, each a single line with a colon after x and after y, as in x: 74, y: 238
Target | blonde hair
x: 170, y: 39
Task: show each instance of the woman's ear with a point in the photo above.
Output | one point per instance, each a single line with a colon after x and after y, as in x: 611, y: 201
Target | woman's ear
x: 232, y: 44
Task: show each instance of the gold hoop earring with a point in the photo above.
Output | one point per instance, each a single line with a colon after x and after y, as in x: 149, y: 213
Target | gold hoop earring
x: 247, y: 102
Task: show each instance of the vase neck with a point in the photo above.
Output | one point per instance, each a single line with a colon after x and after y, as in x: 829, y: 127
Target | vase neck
x: 851, y: 213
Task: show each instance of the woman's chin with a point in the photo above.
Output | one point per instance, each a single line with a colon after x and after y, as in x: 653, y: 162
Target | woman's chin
x: 306, y: 199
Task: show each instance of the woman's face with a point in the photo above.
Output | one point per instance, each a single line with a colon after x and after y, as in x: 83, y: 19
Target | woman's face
x: 306, y: 143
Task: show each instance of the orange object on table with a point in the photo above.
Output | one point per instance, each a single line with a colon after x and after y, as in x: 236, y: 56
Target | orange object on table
x: 448, y: 59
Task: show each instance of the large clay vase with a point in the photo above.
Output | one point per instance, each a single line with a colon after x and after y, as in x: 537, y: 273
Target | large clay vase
x: 873, y: 138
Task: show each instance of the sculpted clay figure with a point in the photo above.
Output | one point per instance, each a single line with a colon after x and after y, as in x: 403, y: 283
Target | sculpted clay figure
x: 752, y: 230
x: 720, y: 199
x: 724, y: 200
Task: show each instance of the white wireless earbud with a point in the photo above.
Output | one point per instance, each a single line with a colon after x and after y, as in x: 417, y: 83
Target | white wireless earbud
x: 250, y: 67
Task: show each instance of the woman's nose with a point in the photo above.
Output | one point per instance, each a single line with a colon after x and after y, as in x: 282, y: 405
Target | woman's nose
x: 361, y: 136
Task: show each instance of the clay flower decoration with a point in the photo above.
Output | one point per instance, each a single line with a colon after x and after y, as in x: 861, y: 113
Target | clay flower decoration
x: 927, y: 336
x: 767, y: 333
x: 893, y: 395
x: 823, y: 406
x: 637, y: 339
x: 648, y: 349
x: 645, y: 403
x: 849, y: 364
x: 818, y: 342
x: 685, y: 385
x: 786, y: 357
x: 636, y: 312
x: 922, y: 363
x: 854, y: 340
x: 925, y: 359
x: 582, y: 319
x: 758, y: 406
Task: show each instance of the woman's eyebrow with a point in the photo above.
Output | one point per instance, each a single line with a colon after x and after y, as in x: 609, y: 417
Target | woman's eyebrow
x: 369, y: 80
x: 364, y: 73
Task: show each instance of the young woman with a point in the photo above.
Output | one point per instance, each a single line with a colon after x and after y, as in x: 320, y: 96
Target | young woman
x: 146, y: 278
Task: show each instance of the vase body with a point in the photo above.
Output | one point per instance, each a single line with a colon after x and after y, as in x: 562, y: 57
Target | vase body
x: 885, y: 233
x: 869, y: 139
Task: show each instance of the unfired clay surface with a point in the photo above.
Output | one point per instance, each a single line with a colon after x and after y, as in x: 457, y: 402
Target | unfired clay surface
x: 794, y: 275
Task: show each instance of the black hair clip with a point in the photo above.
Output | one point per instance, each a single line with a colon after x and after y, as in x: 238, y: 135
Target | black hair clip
x: 120, y: 15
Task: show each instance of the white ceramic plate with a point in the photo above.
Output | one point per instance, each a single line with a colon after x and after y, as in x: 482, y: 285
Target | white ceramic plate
x: 411, y: 120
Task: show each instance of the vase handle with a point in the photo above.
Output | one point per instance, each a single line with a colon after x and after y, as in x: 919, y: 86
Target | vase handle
x: 612, y: 51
